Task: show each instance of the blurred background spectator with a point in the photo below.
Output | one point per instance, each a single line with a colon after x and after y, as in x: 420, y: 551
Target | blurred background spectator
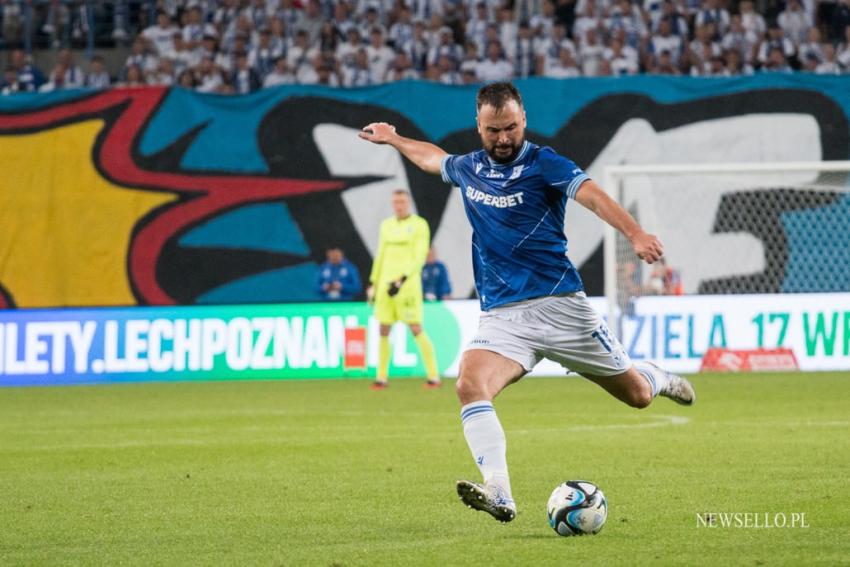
x: 435, y: 278
x: 239, y: 46
x: 338, y: 279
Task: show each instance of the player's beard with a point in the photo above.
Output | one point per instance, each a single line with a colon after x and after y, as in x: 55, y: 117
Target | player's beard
x: 500, y: 153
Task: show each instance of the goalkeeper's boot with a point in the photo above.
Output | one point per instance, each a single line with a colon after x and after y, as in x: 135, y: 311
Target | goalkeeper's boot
x: 487, y: 498
x: 678, y: 389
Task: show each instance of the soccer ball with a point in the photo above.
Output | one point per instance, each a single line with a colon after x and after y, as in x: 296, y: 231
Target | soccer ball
x: 577, y: 507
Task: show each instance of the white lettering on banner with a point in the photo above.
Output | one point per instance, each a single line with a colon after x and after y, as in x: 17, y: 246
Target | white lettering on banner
x: 214, y: 341
x: 13, y: 365
x: 187, y: 344
x: 336, y: 340
x: 402, y: 358
x: 315, y: 346
x: 35, y: 347
x: 288, y: 338
x: 261, y: 359
x: 135, y: 345
x: 500, y: 202
x: 240, y: 338
x: 111, y: 360
x: 160, y: 329
x: 81, y: 337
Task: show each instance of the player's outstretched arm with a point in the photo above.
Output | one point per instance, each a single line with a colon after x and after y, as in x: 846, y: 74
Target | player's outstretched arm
x: 646, y: 246
x: 425, y: 155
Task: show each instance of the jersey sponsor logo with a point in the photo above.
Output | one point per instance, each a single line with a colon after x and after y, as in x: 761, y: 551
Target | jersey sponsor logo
x: 500, y: 202
x: 493, y: 174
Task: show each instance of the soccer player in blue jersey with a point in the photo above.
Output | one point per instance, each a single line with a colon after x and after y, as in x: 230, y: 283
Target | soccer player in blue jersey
x: 515, y: 194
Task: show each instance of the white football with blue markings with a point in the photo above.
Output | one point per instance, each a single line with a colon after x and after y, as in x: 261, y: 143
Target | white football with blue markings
x: 577, y: 507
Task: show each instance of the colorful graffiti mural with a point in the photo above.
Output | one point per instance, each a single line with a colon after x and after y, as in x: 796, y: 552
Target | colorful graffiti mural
x: 159, y: 196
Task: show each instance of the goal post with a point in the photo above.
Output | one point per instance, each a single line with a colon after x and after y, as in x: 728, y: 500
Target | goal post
x: 730, y: 228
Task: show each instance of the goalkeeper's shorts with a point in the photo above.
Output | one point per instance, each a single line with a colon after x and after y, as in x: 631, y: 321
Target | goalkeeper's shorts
x: 406, y: 306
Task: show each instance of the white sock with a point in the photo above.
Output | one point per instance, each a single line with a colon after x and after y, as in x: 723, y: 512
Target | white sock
x: 486, y: 440
x: 655, y: 376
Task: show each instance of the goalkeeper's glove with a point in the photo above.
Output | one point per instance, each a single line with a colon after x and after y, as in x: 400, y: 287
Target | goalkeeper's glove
x: 396, y: 286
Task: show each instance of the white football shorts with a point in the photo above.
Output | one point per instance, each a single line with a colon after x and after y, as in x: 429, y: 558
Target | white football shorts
x: 562, y: 328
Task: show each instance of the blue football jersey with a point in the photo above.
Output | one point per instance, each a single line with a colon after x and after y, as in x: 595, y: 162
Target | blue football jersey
x: 519, y: 249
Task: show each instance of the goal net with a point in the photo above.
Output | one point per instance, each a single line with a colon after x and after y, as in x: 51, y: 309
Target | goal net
x: 761, y: 228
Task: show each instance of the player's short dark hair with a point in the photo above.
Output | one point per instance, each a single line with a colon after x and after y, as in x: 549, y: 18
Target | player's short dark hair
x: 402, y: 192
x: 497, y: 95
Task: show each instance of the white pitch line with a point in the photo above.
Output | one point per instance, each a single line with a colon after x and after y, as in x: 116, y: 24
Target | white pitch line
x: 660, y: 421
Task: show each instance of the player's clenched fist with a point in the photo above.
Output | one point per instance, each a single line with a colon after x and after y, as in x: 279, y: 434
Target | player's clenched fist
x: 647, y: 247
x: 378, y: 132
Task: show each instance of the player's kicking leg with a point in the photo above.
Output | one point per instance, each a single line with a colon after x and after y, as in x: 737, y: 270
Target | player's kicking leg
x: 643, y: 382
x: 483, y: 374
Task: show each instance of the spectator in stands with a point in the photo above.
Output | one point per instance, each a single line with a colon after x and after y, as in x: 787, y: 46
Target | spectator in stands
x: 776, y: 62
x: 829, y: 65
x: 402, y: 69
x: 73, y: 76
x: 811, y: 49
x: 164, y: 74
x: 565, y: 67
x: 338, y: 279
x: 262, y: 56
x: 621, y: 61
x: 703, y: 48
x: 244, y: 79
x: 160, y: 37
x: 448, y: 73
x: 10, y: 82
x: 494, y: 68
x: 735, y: 64
x: 380, y: 56
x: 671, y: 14
x: 300, y: 55
x: 775, y: 40
x: 712, y: 13
x: 360, y: 74
x: 29, y: 77
x: 280, y: 75
x: 741, y: 39
x: 311, y: 21
x: 752, y: 21
x: 435, y: 278
x: 208, y: 77
x: 592, y: 54
x: 665, y: 41
x: 664, y: 64
x: 134, y: 77
x: 10, y: 13
x: 795, y: 22
x: 186, y: 79
x: 140, y: 57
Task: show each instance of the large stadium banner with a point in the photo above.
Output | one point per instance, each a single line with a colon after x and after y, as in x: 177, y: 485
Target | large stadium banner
x: 71, y: 346
x: 155, y: 196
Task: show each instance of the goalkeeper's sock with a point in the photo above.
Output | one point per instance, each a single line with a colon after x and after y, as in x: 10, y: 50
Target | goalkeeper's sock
x: 429, y: 359
x: 486, y: 440
x: 383, y: 359
x: 655, y: 376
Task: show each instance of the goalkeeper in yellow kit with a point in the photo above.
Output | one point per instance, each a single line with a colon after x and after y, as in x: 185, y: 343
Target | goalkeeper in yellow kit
x: 396, y: 284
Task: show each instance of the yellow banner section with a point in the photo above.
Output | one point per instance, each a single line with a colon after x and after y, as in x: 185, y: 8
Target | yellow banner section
x: 65, y: 230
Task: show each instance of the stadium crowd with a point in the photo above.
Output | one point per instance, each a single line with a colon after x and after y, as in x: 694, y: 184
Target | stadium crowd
x: 239, y: 46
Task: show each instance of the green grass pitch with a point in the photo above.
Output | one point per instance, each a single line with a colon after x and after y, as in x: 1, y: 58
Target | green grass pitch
x: 331, y: 473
